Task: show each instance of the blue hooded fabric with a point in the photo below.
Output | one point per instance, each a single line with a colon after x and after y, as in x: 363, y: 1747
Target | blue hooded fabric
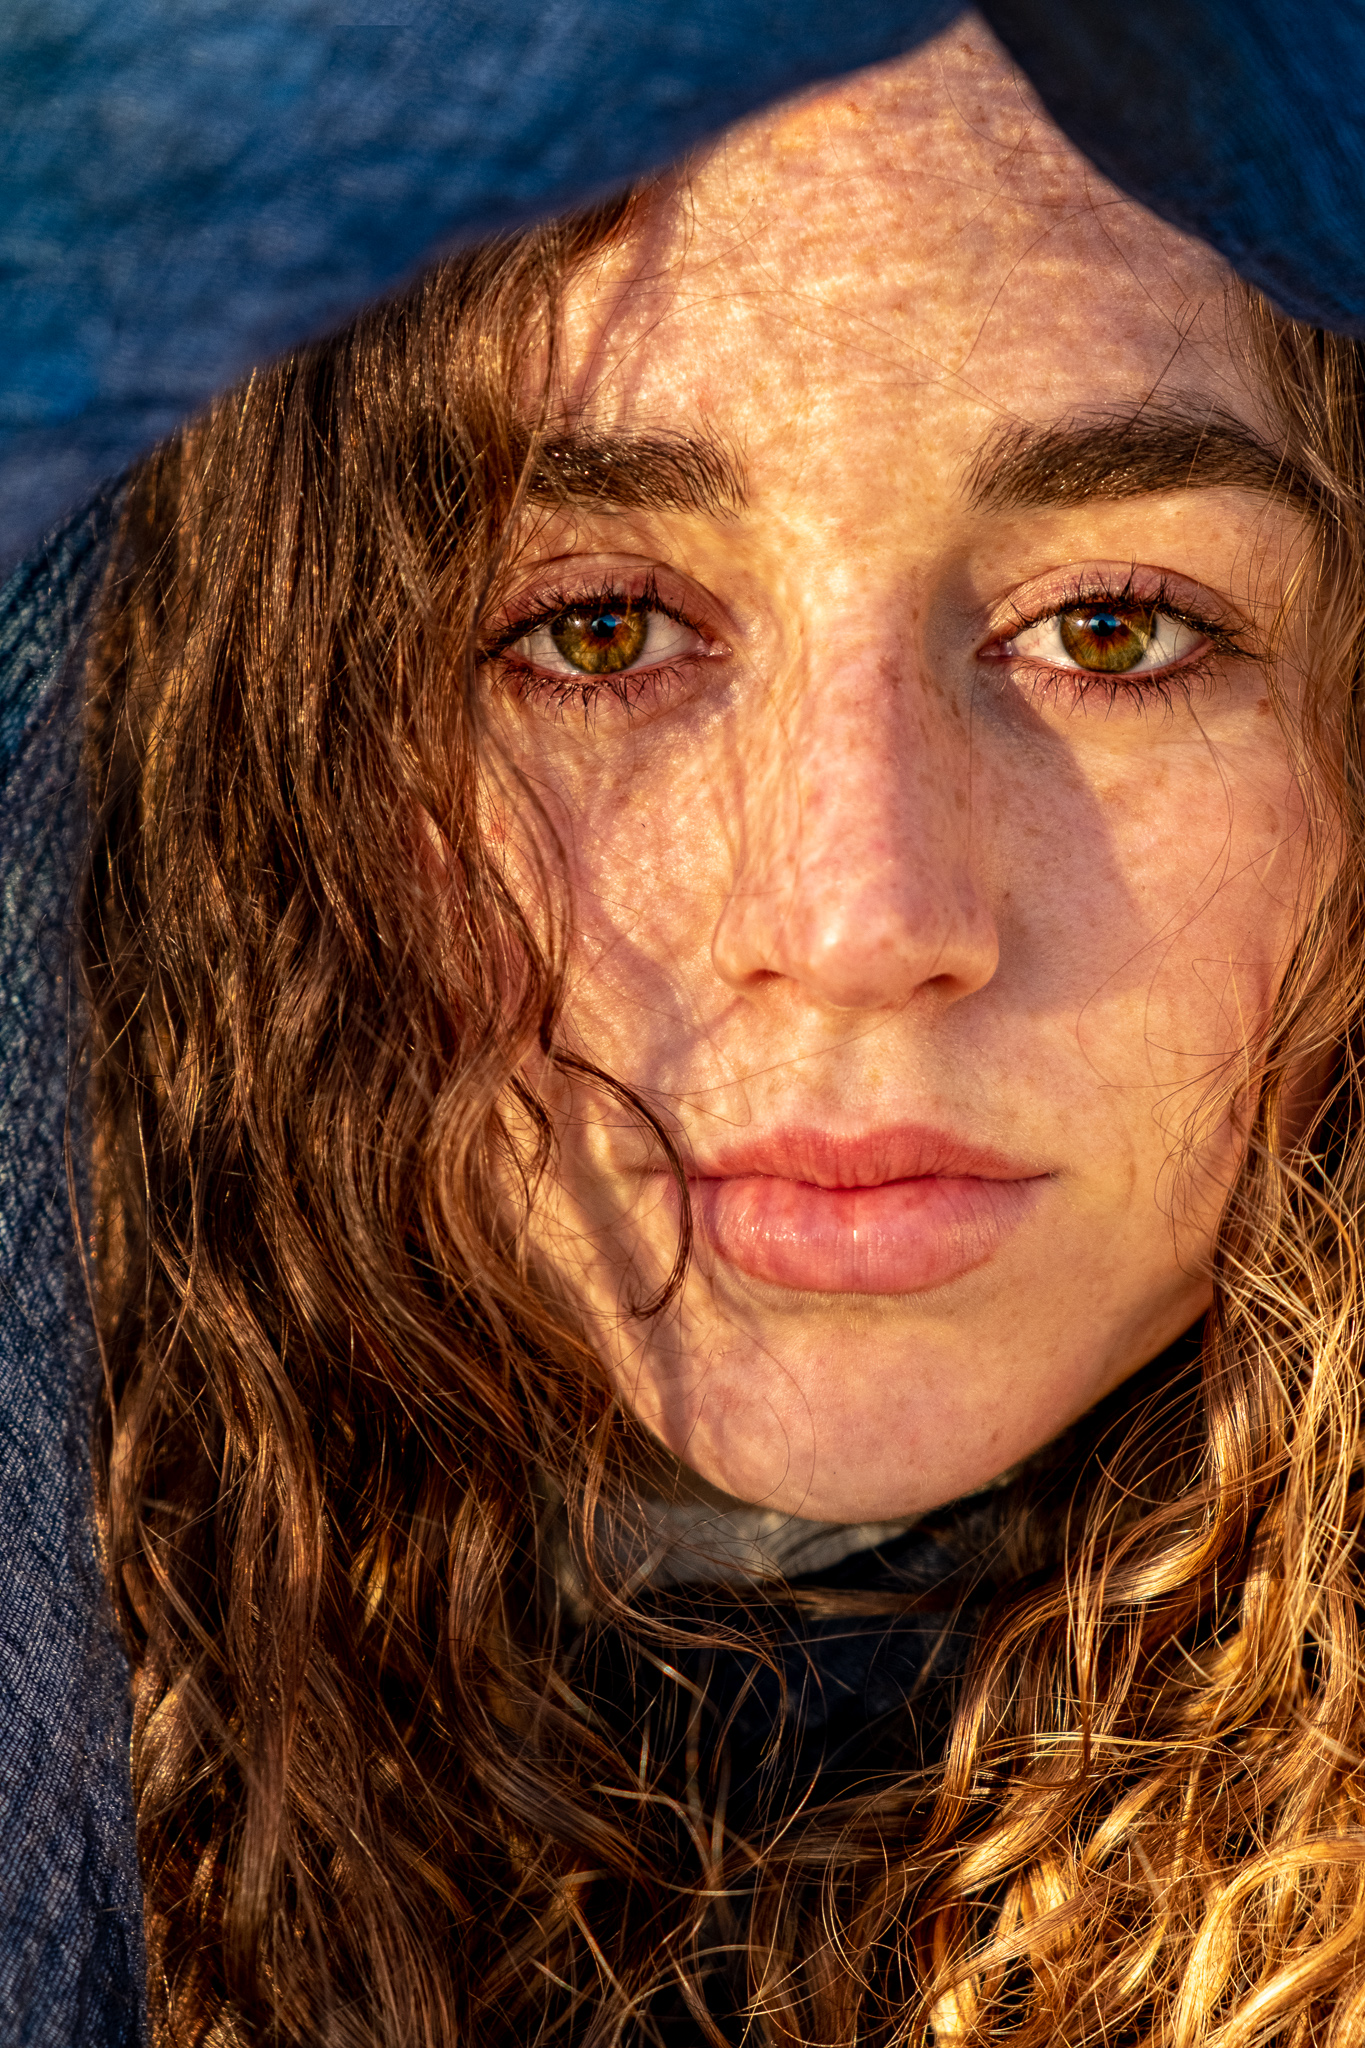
x: 70, y: 1963
x: 188, y: 187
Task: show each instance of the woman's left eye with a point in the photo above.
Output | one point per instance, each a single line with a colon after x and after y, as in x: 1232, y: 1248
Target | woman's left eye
x: 606, y: 638
x: 1108, y: 638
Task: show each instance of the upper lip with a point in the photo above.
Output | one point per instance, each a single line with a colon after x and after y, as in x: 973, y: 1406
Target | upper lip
x: 866, y: 1159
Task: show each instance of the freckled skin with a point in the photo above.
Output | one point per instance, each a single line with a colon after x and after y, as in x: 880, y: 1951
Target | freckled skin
x: 847, y: 871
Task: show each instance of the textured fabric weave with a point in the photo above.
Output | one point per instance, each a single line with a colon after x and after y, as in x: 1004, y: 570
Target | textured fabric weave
x: 70, y: 1969
x: 189, y: 186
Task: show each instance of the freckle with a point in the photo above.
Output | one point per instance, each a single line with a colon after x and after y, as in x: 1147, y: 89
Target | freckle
x: 1263, y: 707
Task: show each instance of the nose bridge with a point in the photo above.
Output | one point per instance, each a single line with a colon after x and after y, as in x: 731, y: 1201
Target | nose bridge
x: 856, y: 876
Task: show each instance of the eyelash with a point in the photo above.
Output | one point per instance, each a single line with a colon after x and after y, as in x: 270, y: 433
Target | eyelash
x: 562, y: 693
x: 1161, y: 685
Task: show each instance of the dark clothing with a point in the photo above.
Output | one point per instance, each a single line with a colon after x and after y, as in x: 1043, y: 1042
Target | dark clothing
x: 839, y: 1674
x: 804, y: 1703
x: 187, y: 186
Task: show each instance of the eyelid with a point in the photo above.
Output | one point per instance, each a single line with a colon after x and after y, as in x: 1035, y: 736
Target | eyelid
x: 671, y: 677
x: 1148, y: 590
x: 638, y: 582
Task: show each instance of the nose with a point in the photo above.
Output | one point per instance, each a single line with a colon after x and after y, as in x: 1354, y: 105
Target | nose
x: 857, y: 876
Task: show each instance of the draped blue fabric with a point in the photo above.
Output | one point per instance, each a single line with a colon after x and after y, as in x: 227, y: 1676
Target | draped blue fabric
x: 70, y: 1973
x: 187, y: 187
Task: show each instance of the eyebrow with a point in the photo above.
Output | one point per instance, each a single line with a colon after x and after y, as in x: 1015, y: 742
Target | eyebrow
x: 658, y: 472
x: 1167, y: 448
x: 1107, y: 457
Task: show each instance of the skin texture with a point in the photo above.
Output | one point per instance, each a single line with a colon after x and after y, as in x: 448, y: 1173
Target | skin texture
x: 843, y: 862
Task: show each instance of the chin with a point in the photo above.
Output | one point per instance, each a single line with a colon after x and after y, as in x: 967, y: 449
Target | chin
x: 765, y: 1439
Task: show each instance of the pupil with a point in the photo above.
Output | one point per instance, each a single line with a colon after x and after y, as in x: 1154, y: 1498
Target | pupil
x: 1104, y: 638
x: 601, y: 642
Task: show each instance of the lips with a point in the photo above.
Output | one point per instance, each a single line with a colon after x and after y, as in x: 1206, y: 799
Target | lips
x: 896, y: 1211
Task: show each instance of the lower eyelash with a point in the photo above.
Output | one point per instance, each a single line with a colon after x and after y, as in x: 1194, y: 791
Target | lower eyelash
x: 562, y: 694
x: 1161, y: 686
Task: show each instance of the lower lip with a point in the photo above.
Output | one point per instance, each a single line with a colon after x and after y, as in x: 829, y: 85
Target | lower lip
x: 900, y: 1238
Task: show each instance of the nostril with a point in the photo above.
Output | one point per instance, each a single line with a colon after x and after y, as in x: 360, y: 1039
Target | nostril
x: 861, y: 949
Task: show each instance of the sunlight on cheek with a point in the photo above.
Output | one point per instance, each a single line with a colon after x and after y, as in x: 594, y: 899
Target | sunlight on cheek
x: 1153, y: 899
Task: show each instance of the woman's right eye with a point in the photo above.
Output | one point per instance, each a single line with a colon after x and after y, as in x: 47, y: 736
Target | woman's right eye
x: 608, y: 637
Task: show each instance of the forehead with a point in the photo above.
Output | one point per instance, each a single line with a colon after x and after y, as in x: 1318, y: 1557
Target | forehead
x: 919, y: 248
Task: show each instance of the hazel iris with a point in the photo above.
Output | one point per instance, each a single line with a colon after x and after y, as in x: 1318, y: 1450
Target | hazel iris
x: 601, y: 639
x: 1108, y: 637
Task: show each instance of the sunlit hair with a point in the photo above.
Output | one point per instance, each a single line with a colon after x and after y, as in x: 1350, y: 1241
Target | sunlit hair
x: 353, y: 1427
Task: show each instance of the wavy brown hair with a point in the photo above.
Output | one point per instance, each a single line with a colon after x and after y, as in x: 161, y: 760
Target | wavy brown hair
x: 353, y: 1428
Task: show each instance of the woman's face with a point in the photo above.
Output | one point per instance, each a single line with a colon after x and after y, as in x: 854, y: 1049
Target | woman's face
x: 888, y: 669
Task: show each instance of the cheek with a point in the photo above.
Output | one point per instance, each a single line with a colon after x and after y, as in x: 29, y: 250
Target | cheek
x: 1170, y: 889
x: 650, y: 854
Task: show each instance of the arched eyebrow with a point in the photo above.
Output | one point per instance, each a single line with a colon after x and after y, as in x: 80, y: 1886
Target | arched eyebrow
x: 657, y: 472
x: 1161, y: 448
